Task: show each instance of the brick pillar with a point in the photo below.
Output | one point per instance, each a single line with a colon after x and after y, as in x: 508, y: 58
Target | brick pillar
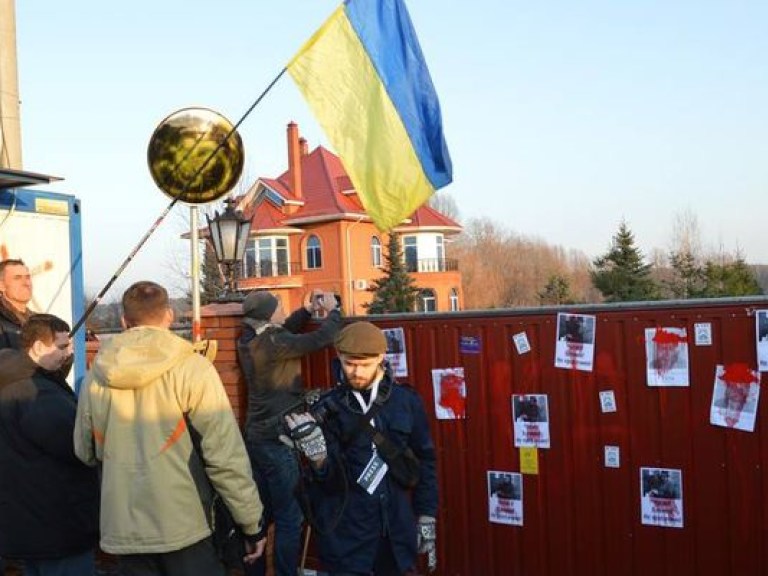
x: 221, y: 322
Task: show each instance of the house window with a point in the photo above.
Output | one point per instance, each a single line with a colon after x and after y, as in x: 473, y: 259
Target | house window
x: 410, y: 254
x: 314, y: 253
x: 376, y: 252
x: 426, y: 302
x: 265, y: 257
x: 454, y: 298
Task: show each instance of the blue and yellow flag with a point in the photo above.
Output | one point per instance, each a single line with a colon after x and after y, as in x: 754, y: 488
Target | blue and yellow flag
x: 365, y: 78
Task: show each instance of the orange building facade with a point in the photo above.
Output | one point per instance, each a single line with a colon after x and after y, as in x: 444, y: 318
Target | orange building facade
x: 309, y: 230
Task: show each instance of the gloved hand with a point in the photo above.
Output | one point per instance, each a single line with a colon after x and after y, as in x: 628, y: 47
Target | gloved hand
x: 306, y: 436
x: 426, y: 537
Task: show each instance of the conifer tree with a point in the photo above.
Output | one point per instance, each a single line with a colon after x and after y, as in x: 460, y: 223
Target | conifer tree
x: 557, y: 291
x: 211, y: 280
x: 621, y: 275
x: 396, y: 291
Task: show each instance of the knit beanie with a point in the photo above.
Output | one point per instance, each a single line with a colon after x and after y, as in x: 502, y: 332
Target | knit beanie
x: 260, y: 305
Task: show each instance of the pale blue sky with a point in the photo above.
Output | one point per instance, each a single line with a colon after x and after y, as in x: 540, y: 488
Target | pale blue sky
x: 562, y: 117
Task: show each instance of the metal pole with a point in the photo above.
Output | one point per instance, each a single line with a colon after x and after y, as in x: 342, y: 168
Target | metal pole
x: 194, y: 247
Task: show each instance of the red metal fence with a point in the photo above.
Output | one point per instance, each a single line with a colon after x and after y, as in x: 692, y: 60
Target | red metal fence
x: 582, y: 518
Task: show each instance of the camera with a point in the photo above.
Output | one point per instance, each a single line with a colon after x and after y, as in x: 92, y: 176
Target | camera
x: 316, y: 402
x: 319, y: 300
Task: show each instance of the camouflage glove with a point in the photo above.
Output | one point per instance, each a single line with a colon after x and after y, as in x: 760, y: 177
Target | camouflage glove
x: 426, y: 537
x: 307, y: 436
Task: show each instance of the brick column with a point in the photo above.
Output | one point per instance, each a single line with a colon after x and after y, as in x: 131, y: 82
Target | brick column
x: 221, y: 322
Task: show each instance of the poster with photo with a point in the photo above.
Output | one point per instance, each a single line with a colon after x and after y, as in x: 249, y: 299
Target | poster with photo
x: 396, y: 354
x: 761, y: 337
x: 505, y: 497
x: 575, y: 346
x: 735, y: 397
x: 450, y: 391
x: 530, y: 413
x: 522, y: 345
x: 661, y: 497
x: 666, y: 356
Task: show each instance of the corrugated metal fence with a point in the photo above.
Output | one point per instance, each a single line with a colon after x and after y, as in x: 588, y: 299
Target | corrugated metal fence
x: 580, y: 517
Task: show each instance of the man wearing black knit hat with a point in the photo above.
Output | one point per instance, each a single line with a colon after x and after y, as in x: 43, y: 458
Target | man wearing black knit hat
x: 270, y: 352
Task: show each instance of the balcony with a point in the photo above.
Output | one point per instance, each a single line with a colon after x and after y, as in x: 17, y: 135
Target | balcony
x: 429, y: 265
x: 270, y: 269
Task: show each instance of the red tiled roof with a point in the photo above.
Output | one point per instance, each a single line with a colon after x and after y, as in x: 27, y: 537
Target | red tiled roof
x: 327, y: 191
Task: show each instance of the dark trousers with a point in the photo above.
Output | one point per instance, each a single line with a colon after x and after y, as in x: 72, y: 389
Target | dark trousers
x: 385, y: 564
x: 276, y: 472
x: 199, y: 559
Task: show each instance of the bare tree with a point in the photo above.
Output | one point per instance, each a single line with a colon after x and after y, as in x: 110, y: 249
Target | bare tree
x: 444, y: 203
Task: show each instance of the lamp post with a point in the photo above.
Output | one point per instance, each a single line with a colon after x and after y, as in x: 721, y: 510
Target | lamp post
x: 229, y: 233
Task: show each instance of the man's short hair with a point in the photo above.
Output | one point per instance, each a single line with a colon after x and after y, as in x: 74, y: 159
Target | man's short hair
x: 145, y: 303
x: 10, y: 262
x: 43, y: 328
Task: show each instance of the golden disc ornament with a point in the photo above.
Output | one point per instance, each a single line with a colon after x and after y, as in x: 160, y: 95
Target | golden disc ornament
x: 195, y: 155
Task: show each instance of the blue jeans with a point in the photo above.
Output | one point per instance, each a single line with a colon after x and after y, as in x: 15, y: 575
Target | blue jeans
x: 276, y: 472
x: 78, y: 565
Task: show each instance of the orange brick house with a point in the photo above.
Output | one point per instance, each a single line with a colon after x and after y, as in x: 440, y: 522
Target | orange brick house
x: 309, y: 230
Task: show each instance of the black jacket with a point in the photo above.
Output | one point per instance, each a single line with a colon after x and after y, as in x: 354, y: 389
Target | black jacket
x: 49, y: 500
x: 10, y: 327
x: 351, y: 521
x: 273, y: 368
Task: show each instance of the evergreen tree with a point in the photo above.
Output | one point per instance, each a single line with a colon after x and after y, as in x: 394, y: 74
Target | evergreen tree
x: 729, y: 279
x: 211, y: 280
x: 688, y: 277
x: 396, y: 290
x: 557, y: 291
x: 621, y: 275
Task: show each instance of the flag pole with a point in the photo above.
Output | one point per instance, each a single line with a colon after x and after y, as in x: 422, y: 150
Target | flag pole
x: 194, y: 262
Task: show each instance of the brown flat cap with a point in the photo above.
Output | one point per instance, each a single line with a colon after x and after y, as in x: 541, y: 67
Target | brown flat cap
x: 361, y: 339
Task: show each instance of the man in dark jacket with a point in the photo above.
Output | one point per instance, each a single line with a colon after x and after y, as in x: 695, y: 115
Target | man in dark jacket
x: 373, y: 486
x: 15, y: 294
x: 49, y: 500
x: 271, y: 362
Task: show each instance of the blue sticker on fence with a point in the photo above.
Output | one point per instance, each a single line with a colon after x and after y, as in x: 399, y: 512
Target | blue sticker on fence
x: 469, y: 345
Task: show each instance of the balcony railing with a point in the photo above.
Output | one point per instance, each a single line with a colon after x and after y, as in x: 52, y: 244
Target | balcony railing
x: 270, y: 269
x: 432, y: 265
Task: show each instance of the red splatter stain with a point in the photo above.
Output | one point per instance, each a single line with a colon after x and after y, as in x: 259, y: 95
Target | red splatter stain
x: 574, y: 351
x: 452, y: 394
x: 667, y: 348
x: 738, y: 378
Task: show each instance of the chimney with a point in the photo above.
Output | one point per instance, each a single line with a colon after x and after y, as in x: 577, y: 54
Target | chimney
x: 303, y: 146
x: 294, y: 160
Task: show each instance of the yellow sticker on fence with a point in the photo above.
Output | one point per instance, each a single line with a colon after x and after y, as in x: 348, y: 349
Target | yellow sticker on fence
x: 529, y: 460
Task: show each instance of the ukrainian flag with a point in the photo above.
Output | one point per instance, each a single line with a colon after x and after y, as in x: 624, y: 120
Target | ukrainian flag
x: 364, y: 76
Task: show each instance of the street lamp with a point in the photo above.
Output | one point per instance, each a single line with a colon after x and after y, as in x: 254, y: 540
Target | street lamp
x: 229, y: 233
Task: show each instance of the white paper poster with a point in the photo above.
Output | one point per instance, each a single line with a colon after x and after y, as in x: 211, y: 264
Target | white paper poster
x: 396, y: 354
x: 666, y: 356
x: 761, y: 330
x: 521, y: 342
x: 607, y: 401
x: 530, y: 413
x: 450, y: 391
x: 661, y: 497
x: 505, y: 497
x: 575, y: 346
x: 735, y: 397
x: 702, y: 333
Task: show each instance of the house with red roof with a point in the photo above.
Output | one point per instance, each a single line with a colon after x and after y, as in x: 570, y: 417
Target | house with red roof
x: 309, y: 230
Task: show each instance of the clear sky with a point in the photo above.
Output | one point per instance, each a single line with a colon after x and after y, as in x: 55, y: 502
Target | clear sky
x: 562, y: 117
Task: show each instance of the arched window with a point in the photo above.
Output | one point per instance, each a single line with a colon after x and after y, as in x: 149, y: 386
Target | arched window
x: 427, y: 301
x: 314, y: 253
x: 376, y: 251
x: 454, y: 298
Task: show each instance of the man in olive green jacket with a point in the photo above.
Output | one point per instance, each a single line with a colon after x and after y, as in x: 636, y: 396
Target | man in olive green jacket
x: 146, y: 396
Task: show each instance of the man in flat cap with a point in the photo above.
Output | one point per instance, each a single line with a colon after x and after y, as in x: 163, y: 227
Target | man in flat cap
x: 270, y: 352
x: 373, y: 482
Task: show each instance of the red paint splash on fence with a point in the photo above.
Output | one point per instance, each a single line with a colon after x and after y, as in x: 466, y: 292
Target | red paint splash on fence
x: 738, y: 378
x: 452, y: 394
x: 667, y: 347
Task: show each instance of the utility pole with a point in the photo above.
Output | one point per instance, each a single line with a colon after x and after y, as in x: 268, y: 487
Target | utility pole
x: 10, y: 115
